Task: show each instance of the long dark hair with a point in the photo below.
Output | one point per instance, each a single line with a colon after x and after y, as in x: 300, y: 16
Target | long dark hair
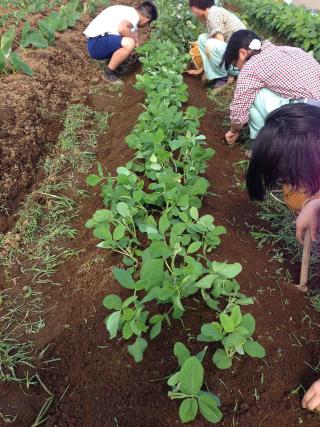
x: 239, y: 40
x: 201, y: 4
x: 287, y: 149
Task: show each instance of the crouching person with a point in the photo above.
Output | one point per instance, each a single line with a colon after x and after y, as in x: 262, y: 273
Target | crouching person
x: 270, y: 76
x: 220, y: 24
x: 113, y: 34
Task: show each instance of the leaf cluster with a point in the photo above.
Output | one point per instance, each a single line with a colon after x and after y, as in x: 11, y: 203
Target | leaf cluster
x: 294, y: 23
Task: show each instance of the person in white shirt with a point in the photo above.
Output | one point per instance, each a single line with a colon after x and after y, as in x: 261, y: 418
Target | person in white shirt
x: 113, y: 34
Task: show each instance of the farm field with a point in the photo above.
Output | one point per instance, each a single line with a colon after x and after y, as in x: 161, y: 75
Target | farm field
x: 58, y: 365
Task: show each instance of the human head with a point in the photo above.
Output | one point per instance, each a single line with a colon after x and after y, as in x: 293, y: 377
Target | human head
x: 199, y: 7
x: 147, y: 13
x: 287, y: 149
x: 238, y: 50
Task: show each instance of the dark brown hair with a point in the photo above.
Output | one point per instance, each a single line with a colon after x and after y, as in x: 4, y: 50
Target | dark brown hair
x: 201, y: 4
x: 287, y: 149
x: 149, y: 10
x: 239, y: 40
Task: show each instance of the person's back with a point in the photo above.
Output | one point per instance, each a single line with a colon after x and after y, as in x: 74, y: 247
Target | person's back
x: 222, y: 21
x: 108, y: 21
x: 289, y: 71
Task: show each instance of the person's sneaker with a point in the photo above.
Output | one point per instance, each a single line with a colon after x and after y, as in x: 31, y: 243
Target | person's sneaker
x: 111, y: 77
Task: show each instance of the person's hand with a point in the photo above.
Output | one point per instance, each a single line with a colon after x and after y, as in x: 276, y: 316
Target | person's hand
x: 311, y: 400
x: 231, y: 136
x: 308, y: 218
x: 230, y: 79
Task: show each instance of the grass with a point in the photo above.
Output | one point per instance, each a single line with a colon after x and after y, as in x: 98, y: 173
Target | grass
x: 20, y: 316
x: 222, y: 99
x: 48, y: 211
x: 240, y: 168
x: 35, y: 247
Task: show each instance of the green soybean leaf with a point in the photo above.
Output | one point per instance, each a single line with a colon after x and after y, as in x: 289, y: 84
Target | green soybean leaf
x: 194, y: 213
x: 137, y: 349
x: 254, y: 349
x: 153, y: 158
x: 236, y: 315
x: 123, y: 209
x: 112, y: 323
x: 206, y: 282
x: 37, y: 40
x: 127, y: 314
x: 155, y: 330
x: 93, y: 180
x: 152, y: 272
x: 188, y: 410
x: 229, y: 271
x: 201, y: 354
x: 174, y: 379
x: 156, y: 318
x: 208, y: 408
x: 7, y: 40
x: 112, y: 302
x: 123, y: 277
x: 119, y: 232
x: 164, y: 224
x: 129, y: 300
x: 191, y: 376
x: 221, y: 359
x: 194, y: 247
x: 155, y: 166
x: 233, y: 339
x: 103, y: 215
x: 101, y: 231
x: 19, y: 65
x: 212, y: 332
x: 227, y: 323
x: 123, y: 171
x: 178, y: 228
x: 248, y: 322
x: 127, y: 331
x: 181, y: 352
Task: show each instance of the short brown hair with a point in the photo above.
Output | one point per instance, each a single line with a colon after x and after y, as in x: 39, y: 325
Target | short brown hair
x: 148, y: 9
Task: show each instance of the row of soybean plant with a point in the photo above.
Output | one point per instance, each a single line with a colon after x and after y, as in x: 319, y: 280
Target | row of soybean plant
x: 40, y: 35
x: 151, y: 217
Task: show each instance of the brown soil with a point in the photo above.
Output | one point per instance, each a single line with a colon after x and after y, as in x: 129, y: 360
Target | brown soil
x: 95, y: 382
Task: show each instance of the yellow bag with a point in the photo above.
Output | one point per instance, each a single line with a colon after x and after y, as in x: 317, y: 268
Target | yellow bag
x: 296, y: 199
x: 196, y: 55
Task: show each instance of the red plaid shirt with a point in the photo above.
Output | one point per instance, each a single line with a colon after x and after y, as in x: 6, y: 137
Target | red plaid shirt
x: 287, y: 71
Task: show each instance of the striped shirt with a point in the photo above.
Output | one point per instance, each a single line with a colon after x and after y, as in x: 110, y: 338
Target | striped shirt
x: 222, y: 21
x: 288, y: 71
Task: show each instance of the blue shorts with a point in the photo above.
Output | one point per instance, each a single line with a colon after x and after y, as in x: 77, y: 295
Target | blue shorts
x: 103, y: 47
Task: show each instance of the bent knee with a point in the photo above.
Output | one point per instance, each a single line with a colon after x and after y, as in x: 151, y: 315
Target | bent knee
x: 128, y: 42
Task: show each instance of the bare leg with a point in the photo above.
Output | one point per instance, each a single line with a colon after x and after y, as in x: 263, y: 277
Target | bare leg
x: 119, y: 57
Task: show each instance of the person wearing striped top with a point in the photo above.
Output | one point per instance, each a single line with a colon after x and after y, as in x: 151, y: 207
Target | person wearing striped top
x: 270, y: 76
x: 220, y: 24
